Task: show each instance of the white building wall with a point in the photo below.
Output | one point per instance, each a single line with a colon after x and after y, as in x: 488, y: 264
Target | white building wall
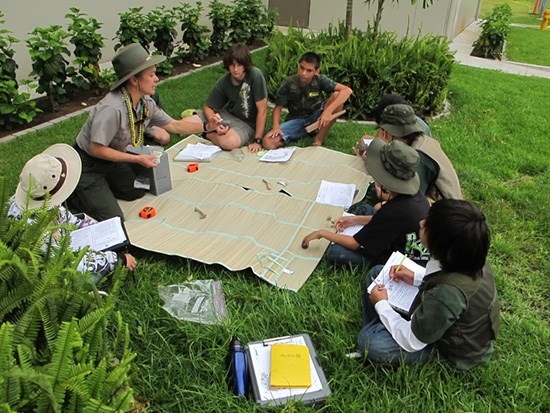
x: 445, y: 17
x: 23, y: 16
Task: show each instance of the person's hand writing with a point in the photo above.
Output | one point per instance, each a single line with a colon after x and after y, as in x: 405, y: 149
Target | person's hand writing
x: 131, y: 262
x: 344, y: 222
x: 403, y: 275
x: 254, y: 147
x: 378, y: 293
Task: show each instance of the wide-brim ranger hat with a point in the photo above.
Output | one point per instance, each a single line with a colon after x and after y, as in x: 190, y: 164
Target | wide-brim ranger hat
x: 50, y: 176
x: 130, y: 60
x: 394, y: 166
x: 399, y: 120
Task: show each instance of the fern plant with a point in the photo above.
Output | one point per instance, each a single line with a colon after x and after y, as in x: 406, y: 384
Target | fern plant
x: 71, y: 380
x: 63, y: 347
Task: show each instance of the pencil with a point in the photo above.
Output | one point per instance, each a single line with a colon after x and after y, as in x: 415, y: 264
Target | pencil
x: 401, y: 263
x: 378, y: 286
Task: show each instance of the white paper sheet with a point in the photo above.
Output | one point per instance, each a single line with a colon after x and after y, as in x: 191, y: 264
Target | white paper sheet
x: 260, y: 355
x: 367, y: 141
x: 400, y: 294
x: 351, y: 231
x: 333, y: 193
x: 278, y: 155
x: 197, y: 152
x: 99, y: 236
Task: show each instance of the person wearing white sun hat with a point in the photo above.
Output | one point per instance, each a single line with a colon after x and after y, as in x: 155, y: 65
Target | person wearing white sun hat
x: 117, y: 121
x: 47, y: 180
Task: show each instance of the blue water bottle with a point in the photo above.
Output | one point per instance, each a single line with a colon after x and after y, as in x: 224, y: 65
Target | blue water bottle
x: 237, y: 367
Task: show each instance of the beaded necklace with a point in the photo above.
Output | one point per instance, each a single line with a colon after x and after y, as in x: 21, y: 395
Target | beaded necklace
x: 137, y: 139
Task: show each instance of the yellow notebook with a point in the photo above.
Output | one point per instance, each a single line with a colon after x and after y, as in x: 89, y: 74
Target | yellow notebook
x: 289, y: 366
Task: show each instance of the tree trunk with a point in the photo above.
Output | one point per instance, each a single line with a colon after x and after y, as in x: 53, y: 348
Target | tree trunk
x: 378, y: 17
x: 349, y: 17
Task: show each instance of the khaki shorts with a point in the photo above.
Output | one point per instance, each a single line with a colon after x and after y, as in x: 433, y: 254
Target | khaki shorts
x: 243, y: 129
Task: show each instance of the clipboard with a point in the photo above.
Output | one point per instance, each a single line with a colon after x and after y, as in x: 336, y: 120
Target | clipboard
x: 108, y: 235
x: 258, y: 360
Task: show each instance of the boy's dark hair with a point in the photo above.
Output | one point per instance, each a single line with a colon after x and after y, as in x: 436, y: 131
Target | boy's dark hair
x: 409, y: 139
x: 238, y: 53
x: 310, y: 57
x: 458, y: 236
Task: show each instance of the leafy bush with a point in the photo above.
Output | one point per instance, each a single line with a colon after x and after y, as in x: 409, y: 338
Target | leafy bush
x: 15, y: 107
x: 194, y: 40
x: 47, y: 47
x: 494, y: 32
x: 134, y: 28
x: 63, y: 349
x: 251, y: 21
x: 107, y: 78
x: 87, y: 45
x: 163, y: 23
x: 220, y: 15
x: 418, y: 69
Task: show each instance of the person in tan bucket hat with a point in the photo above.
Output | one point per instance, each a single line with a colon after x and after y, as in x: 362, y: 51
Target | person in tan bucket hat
x: 394, y: 227
x: 117, y: 121
x: 47, y: 180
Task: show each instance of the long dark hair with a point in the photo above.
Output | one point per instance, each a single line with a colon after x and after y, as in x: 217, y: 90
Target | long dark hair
x: 458, y: 236
x: 240, y: 54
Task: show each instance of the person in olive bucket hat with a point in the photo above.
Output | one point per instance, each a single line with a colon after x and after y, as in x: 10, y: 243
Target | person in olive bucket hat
x: 46, y: 181
x: 392, y: 228
x: 438, y: 178
x: 117, y: 121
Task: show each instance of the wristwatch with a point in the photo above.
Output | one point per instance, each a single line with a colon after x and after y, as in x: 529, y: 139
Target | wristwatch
x: 258, y: 140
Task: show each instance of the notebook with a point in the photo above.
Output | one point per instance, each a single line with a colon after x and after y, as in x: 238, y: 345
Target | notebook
x: 258, y: 356
x: 289, y: 366
x: 400, y: 295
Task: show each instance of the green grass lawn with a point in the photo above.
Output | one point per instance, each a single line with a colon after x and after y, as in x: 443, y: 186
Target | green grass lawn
x: 521, y: 10
x: 528, y: 45
x: 496, y: 136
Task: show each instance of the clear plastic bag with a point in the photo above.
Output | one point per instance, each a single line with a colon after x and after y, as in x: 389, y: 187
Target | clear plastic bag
x: 237, y: 154
x: 200, y: 301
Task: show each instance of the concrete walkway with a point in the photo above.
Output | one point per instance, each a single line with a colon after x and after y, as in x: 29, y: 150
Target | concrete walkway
x: 462, y: 45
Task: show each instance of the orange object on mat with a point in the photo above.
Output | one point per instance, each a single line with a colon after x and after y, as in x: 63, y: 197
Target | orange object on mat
x: 193, y: 167
x: 148, y: 212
